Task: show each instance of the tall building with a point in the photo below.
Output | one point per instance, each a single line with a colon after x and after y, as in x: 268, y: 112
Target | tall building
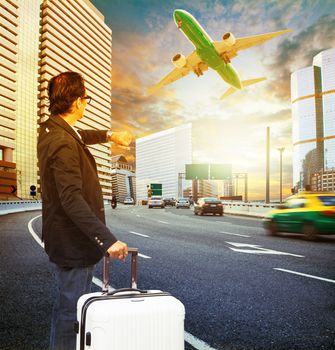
x: 161, y: 157
x: 44, y: 38
x: 325, y: 60
x: 313, y: 113
x: 207, y: 188
x: 9, y: 23
x: 123, y: 178
x: 323, y: 181
x: 25, y: 154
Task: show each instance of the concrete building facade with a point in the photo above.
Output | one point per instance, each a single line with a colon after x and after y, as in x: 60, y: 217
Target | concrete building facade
x: 160, y: 157
x: 9, y: 23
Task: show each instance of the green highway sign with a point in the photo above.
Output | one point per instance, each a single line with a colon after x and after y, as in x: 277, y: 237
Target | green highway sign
x: 156, y: 189
x: 196, y: 172
x: 208, y: 171
x: 220, y: 171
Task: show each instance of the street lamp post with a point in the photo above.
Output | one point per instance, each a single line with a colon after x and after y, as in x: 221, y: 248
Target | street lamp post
x: 281, y: 150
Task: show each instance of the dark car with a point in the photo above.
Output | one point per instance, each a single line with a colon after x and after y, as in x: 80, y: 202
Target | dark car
x: 169, y: 202
x: 309, y: 213
x: 208, y: 205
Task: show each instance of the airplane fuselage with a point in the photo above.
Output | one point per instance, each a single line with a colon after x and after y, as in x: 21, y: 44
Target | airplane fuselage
x: 204, y: 47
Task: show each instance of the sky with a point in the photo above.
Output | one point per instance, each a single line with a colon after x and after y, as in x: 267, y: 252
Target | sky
x: 233, y: 130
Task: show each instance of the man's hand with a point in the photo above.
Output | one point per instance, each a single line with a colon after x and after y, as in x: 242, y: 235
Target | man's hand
x: 122, y: 138
x: 118, y: 250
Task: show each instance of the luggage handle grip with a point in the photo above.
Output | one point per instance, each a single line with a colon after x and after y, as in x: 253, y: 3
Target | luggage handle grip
x: 106, y: 263
x: 121, y: 290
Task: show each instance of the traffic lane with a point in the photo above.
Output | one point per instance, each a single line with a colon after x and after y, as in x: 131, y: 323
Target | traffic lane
x: 118, y: 275
x: 221, y: 292
x: 257, y: 245
x: 313, y: 250
x: 254, y: 228
x: 233, y: 219
x: 242, y: 260
x: 175, y: 225
x: 143, y: 218
x: 26, y: 287
x: 159, y: 284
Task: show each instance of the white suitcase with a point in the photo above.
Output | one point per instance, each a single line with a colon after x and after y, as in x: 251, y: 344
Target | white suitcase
x: 129, y: 319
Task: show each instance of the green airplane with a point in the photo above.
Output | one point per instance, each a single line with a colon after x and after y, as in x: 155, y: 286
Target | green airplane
x: 208, y: 53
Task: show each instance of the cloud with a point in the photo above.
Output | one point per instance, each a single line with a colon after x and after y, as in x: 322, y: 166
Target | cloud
x: 298, y: 52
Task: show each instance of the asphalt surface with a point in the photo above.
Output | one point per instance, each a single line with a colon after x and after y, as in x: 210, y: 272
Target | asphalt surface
x: 224, y: 270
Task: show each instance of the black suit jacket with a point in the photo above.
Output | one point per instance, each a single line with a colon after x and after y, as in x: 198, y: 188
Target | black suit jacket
x: 74, y: 229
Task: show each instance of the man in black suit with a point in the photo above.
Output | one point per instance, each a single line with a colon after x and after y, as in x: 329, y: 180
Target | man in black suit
x: 74, y: 230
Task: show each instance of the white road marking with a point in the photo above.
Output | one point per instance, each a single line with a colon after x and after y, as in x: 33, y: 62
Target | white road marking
x: 139, y: 234
x: 191, y: 339
x: 138, y: 215
x: 33, y: 233
x: 256, y: 249
x: 234, y: 234
x: 163, y: 222
x: 144, y: 256
x: 196, y: 343
x: 306, y: 275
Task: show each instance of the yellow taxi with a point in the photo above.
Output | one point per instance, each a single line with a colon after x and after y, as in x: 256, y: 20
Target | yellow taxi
x: 309, y: 213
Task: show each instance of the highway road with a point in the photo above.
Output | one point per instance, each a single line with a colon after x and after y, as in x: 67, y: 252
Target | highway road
x: 241, y: 289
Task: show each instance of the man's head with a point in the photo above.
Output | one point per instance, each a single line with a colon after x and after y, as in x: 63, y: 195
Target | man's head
x: 67, y: 94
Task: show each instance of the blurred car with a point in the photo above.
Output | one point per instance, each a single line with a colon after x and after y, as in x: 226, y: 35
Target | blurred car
x: 156, y: 202
x: 129, y: 200
x: 169, y: 202
x: 208, y: 205
x: 183, y: 203
x: 306, y: 212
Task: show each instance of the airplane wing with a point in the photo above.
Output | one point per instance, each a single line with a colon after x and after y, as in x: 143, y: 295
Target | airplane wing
x: 245, y: 43
x: 192, y: 61
x: 245, y: 83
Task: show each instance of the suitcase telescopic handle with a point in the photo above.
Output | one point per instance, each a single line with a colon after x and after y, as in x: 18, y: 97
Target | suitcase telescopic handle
x: 133, y: 269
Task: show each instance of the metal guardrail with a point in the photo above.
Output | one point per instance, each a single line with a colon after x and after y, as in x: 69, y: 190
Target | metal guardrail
x: 8, y: 207
x: 239, y: 208
x: 250, y: 209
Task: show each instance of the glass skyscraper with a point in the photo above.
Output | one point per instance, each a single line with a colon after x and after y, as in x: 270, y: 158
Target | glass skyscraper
x: 326, y: 61
x: 313, y: 114
x: 41, y: 39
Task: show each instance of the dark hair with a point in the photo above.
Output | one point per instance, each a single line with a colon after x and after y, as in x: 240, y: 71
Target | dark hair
x: 63, y: 90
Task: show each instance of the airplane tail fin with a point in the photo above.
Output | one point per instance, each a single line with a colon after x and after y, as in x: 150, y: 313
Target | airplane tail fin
x: 245, y: 83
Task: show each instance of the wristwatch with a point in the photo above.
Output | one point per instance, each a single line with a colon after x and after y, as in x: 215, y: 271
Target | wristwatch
x: 109, y: 134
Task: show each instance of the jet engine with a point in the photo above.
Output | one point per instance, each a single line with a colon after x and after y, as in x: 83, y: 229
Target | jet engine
x: 179, y: 60
x: 229, y: 39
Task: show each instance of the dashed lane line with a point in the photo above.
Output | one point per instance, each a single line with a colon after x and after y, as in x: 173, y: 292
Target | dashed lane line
x: 163, y: 222
x: 306, y: 275
x: 234, y: 234
x: 189, y: 338
x: 196, y: 343
x: 139, y: 234
x: 144, y: 256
